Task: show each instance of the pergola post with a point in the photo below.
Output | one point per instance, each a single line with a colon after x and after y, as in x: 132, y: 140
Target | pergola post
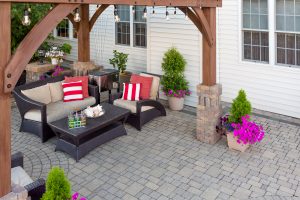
x: 209, y: 107
x: 84, y: 34
x: 5, y: 103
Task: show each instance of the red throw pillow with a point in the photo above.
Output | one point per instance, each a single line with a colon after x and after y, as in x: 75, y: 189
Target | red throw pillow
x: 72, y: 91
x: 85, y: 83
x: 131, y: 91
x: 146, y: 83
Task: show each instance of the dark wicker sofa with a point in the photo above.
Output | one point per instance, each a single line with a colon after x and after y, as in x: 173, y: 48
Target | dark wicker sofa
x: 145, y: 110
x: 25, y: 104
x: 35, y: 189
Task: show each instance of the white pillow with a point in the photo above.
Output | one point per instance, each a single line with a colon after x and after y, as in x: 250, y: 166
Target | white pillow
x: 40, y: 94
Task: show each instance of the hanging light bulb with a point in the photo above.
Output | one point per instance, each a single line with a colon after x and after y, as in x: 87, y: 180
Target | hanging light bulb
x: 51, y: 7
x: 175, y: 12
x: 29, y: 9
x: 97, y: 5
x: 26, y: 20
x: 133, y: 9
x: 167, y: 14
x: 117, y: 18
x: 153, y: 11
x: 145, y: 12
x: 77, y: 15
x: 186, y: 15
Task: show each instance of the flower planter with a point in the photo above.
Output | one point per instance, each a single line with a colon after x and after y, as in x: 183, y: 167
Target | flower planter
x: 175, y: 103
x: 233, y: 144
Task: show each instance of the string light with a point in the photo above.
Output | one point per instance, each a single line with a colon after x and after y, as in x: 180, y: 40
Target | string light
x: 117, y: 18
x: 167, y: 14
x: 29, y: 9
x: 26, y: 19
x: 153, y: 11
x: 97, y: 5
x: 186, y: 14
x: 145, y: 12
x: 77, y: 17
x: 175, y: 12
x: 133, y: 9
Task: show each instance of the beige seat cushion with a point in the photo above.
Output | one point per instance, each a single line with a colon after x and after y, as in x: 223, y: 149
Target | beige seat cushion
x: 60, y: 109
x: 130, y: 105
x: 40, y: 94
x: 20, y: 177
x: 56, y: 91
x: 154, y: 86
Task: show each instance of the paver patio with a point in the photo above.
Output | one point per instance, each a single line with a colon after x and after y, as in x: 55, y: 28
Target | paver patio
x: 165, y: 161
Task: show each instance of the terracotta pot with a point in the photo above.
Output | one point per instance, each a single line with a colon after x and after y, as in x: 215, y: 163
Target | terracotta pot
x: 175, y: 103
x: 233, y: 144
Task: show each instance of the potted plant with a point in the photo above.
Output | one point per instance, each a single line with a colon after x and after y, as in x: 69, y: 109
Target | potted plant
x: 55, y: 54
x: 119, y: 61
x: 174, y: 84
x: 240, y: 131
x: 57, y: 185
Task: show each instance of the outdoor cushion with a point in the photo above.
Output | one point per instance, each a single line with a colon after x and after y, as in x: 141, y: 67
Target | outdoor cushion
x: 20, y: 177
x: 56, y: 91
x: 40, y: 94
x: 131, y: 91
x: 60, y: 109
x: 146, y: 83
x: 154, y: 86
x: 130, y: 105
x: 85, y: 83
x: 72, y: 91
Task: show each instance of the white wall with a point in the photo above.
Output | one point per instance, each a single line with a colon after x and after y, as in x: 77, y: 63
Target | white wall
x: 269, y: 87
x: 179, y: 33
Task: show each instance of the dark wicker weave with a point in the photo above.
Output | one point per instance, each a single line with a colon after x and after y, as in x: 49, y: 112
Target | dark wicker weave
x: 139, y: 118
x: 25, y: 104
x: 37, y: 188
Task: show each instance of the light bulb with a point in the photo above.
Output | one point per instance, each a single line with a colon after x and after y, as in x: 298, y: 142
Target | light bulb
x: 29, y: 9
x: 26, y: 20
x: 77, y: 15
x: 153, y: 11
x: 186, y: 17
x: 175, y: 12
x: 145, y: 13
x: 133, y: 9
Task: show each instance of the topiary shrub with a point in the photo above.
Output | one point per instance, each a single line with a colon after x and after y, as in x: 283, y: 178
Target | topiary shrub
x: 58, y: 186
x: 239, y: 108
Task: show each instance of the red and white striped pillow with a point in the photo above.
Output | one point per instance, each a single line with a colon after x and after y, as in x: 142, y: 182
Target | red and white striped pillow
x: 72, y: 91
x: 131, y: 91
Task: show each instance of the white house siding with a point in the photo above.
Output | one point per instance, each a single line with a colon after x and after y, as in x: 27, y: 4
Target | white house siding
x: 179, y: 33
x: 268, y: 86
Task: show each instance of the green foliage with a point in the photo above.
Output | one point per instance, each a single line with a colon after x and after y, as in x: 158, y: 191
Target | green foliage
x: 173, y: 67
x: 239, y: 108
x: 19, y: 31
x: 66, y: 48
x: 119, y: 60
x: 58, y: 186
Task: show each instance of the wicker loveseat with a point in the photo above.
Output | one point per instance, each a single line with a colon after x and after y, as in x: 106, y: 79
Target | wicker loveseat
x: 35, y: 115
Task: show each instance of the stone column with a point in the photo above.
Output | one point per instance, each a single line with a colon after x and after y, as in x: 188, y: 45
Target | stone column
x: 209, y: 110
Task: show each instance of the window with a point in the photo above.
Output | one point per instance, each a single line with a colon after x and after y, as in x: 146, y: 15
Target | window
x: 255, y: 30
x: 63, y: 28
x: 123, y: 27
x: 131, y: 27
x: 140, y: 27
x: 288, y: 32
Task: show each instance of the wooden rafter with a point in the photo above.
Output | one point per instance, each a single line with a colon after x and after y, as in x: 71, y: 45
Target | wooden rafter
x: 204, y: 23
x: 97, y: 13
x: 192, y: 16
x: 183, y: 3
x: 32, y: 42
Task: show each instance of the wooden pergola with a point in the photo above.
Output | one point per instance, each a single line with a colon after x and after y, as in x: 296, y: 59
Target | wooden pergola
x: 201, y: 12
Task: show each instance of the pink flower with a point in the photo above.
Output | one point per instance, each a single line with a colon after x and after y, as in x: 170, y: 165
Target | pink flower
x: 75, y: 196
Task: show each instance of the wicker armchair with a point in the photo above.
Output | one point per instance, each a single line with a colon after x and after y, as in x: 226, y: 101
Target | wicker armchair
x: 35, y: 189
x: 142, y: 111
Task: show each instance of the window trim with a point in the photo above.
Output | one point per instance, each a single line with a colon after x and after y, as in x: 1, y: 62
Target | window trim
x: 71, y: 33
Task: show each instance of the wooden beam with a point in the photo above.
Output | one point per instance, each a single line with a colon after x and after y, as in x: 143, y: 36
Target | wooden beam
x: 209, y: 74
x: 32, y: 41
x: 183, y: 3
x: 71, y: 18
x: 207, y: 33
x: 5, y: 102
x: 84, y: 34
x: 193, y: 17
x: 96, y: 15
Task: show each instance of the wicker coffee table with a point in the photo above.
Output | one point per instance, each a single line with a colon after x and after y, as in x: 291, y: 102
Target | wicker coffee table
x: 80, y: 141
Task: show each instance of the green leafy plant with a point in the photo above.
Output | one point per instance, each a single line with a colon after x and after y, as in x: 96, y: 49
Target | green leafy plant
x: 119, y: 61
x: 38, y: 11
x: 66, y: 48
x: 239, y: 108
x: 173, y: 81
x: 58, y: 186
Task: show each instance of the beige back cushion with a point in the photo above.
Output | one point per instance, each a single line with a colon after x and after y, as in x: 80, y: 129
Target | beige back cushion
x: 154, y: 86
x: 56, y: 91
x: 40, y: 94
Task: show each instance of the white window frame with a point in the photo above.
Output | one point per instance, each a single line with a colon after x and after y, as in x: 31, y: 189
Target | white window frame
x: 70, y: 33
